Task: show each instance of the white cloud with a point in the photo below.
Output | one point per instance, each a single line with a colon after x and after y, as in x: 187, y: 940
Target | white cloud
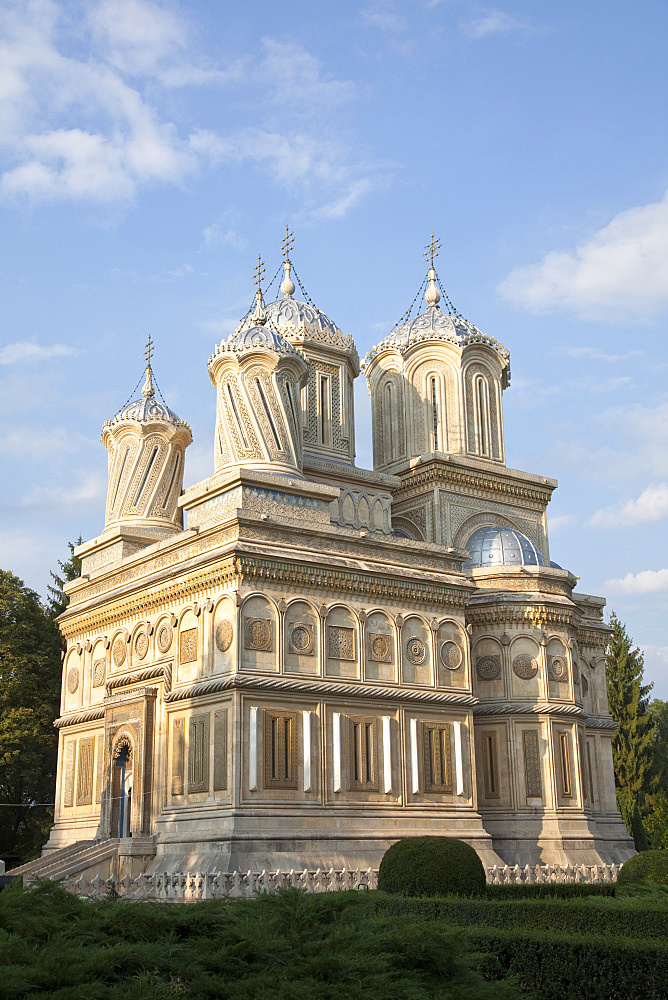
x: 651, y: 505
x: 83, y: 487
x: 135, y: 36
x: 382, y: 15
x: 23, y: 350
x: 296, y: 79
x: 595, y: 355
x: 621, y: 271
x: 493, y: 22
x: 557, y: 523
x: 41, y: 444
x: 648, y: 581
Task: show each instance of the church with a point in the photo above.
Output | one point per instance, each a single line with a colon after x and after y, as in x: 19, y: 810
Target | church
x: 297, y: 661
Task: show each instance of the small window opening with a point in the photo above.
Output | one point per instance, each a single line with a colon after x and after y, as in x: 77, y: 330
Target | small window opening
x: 149, y: 466
x: 267, y: 411
x: 235, y: 411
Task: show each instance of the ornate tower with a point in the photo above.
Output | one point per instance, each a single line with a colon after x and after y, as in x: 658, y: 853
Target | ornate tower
x: 327, y: 397
x: 258, y: 377
x: 435, y: 385
x: 146, y: 442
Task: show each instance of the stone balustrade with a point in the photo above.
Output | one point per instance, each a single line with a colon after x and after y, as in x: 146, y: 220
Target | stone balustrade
x: 184, y: 887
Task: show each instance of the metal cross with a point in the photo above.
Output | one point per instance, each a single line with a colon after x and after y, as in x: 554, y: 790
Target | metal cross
x: 431, y: 250
x: 288, y: 243
x: 258, y: 273
x: 148, y: 353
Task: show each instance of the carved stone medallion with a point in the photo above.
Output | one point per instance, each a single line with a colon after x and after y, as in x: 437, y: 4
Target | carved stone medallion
x: 224, y: 635
x: 301, y: 639
x: 341, y: 642
x: 188, y: 645
x: 164, y: 637
x: 118, y: 651
x: 98, y: 672
x: 488, y: 668
x: 557, y: 668
x: 525, y: 666
x: 141, y: 645
x: 416, y: 651
x: 259, y: 634
x: 72, y: 679
x: 380, y: 647
x: 450, y: 654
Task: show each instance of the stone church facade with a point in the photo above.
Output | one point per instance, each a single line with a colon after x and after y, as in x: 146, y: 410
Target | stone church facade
x: 297, y: 661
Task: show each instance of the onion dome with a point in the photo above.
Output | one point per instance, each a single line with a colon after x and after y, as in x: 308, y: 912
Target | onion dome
x: 147, y: 408
x: 494, y: 546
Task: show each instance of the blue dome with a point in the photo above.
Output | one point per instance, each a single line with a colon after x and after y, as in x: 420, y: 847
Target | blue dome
x: 501, y: 547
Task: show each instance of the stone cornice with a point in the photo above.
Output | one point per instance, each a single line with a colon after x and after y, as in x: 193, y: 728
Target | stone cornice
x: 317, y: 687
x: 236, y: 569
x: 603, y: 722
x: 540, y: 708
x: 533, y: 614
x: 91, y: 715
x: 591, y: 634
x: 495, y: 483
x: 160, y: 670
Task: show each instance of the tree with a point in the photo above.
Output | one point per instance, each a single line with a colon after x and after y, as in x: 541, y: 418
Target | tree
x: 30, y: 676
x: 632, y: 748
x: 656, y: 818
x: 58, y: 600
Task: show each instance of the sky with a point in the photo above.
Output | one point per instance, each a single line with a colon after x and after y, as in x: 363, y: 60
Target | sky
x: 150, y: 149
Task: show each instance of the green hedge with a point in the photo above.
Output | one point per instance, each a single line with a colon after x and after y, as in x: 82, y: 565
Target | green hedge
x: 575, y: 966
x: 431, y: 866
x: 550, y: 890
x: 650, y: 866
x: 557, y: 915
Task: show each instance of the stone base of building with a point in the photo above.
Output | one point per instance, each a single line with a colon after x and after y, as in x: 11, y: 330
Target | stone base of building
x: 559, y: 840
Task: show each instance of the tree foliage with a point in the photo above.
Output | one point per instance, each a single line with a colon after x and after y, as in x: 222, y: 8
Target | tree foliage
x: 656, y: 801
x: 633, y: 745
x: 30, y: 677
x: 57, y: 600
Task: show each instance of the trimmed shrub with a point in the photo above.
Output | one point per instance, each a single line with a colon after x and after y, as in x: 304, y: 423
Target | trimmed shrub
x: 650, y: 866
x: 549, y: 890
x: 431, y: 866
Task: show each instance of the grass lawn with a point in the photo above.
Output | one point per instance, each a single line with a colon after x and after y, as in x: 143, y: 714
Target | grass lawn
x: 348, y: 946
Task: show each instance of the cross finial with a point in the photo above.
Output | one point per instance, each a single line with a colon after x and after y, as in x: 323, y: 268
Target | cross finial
x: 258, y: 273
x: 148, y: 353
x: 431, y: 250
x: 287, y: 244
x: 147, y: 389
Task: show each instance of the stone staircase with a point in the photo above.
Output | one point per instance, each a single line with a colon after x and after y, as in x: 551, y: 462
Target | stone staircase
x: 89, y: 858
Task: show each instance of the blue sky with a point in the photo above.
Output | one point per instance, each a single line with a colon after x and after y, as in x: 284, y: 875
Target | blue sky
x: 150, y: 150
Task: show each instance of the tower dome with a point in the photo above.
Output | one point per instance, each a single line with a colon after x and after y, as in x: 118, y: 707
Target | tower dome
x: 146, y: 442
x: 258, y: 376
x: 435, y: 382
x: 495, y: 546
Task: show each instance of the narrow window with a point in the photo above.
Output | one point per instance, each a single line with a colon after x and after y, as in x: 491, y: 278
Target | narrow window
x: 265, y: 407
x: 280, y: 749
x: 325, y: 406
x: 490, y: 762
x: 389, y: 429
x: 149, y: 466
x: 437, y: 761
x: 434, y: 414
x: 171, y: 481
x: 198, y: 753
x: 120, y: 476
x: 235, y: 411
x: 590, y: 774
x: 293, y: 410
x: 565, y: 761
x: 482, y: 415
x: 362, y: 754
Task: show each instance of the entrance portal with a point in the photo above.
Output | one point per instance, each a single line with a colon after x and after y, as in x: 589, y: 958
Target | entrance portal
x: 122, y: 792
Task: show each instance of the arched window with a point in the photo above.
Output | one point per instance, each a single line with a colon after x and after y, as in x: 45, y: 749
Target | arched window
x: 389, y: 428
x: 481, y: 414
x: 433, y: 397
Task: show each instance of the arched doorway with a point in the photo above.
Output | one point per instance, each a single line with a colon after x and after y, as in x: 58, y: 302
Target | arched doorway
x: 122, y: 789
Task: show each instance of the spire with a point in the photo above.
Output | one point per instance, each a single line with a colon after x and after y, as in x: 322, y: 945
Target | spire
x: 287, y: 286
x: 259, y: 316
x: 432, y: 295
x: 148, y: 392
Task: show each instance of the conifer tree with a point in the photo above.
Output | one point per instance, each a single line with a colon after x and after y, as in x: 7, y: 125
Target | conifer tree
x: 58, y: 600
x: 632, y: 748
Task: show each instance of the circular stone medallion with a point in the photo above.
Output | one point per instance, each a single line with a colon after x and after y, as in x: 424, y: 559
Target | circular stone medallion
x: 557, y: 668
x: 164, y: 638
x: 118, y: 651
x: 525, y: 666
x: 488, y: 668
x: 301, y: 639
x: 451, y: 655
x: 224, y: 635
x: 98, y: 672
x: 72, y: 679
x: 381, y: 648
x: 141, y: 645
x: 416, y: 651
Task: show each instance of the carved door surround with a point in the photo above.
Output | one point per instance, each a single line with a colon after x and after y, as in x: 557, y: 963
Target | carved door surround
x: 129, y: 722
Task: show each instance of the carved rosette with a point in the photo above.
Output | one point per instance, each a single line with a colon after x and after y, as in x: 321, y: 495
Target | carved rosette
x: 525, y: 666
x: 119, y: 651
x: 488, y: 668
x: 141, y: 645
x: 416, y: 651
x: 259, y: 634
x: 99, y: 672
x: 72, y: 679
x: 165, y: 636
x: 557, y: 668
x: 224, y: 635
x: 380, y: 647
x: 450, y: 655
x: 301, y: 639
